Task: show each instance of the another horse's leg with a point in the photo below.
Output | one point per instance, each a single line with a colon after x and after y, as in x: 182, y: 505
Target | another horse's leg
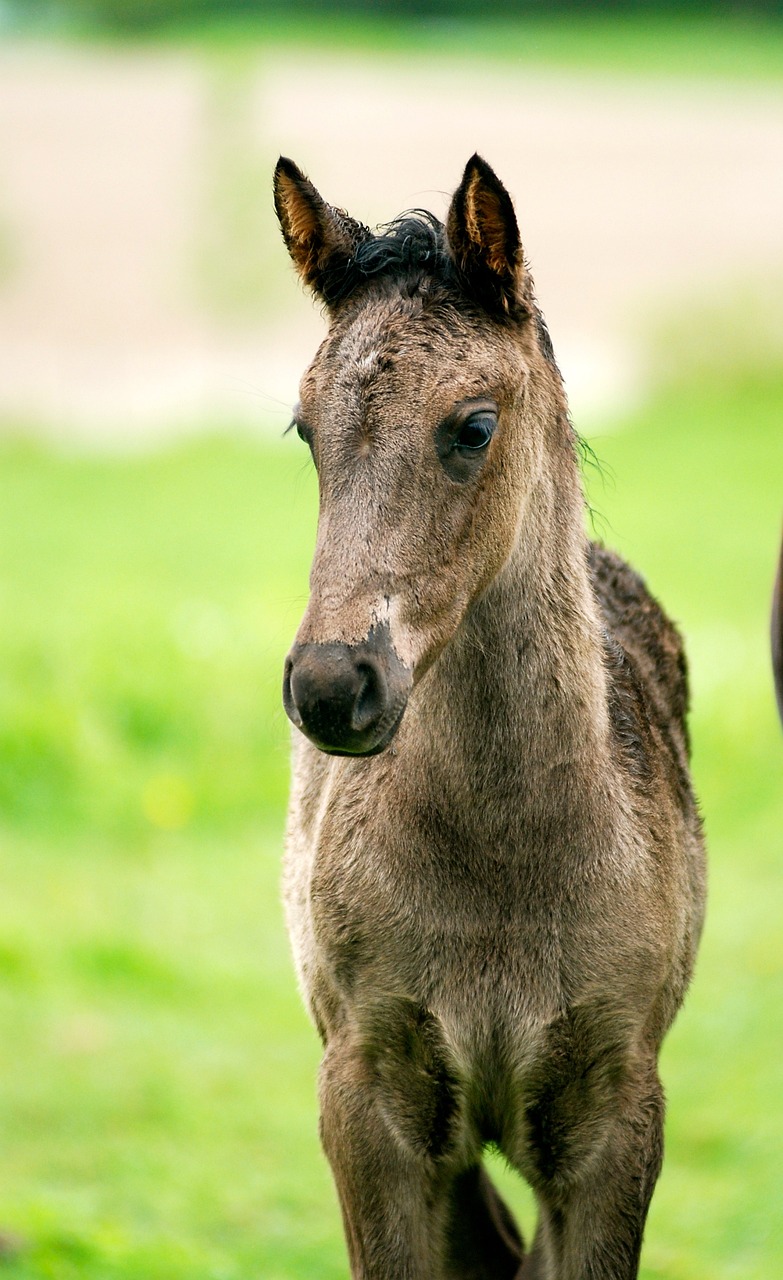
x: 390, y: 1174
x: 776, y: 634
x: 482, y: 1239
x: 591, y: 1228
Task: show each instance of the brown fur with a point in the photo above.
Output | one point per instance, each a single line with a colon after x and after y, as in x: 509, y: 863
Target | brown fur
x: 495, y: 880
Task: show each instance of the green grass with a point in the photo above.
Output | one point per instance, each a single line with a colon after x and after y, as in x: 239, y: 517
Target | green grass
x: 150, y: 600
x: 157, y: 1100
x: 729, y: 46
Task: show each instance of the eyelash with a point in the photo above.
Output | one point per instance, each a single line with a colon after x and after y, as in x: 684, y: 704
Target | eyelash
x: 301, y: 430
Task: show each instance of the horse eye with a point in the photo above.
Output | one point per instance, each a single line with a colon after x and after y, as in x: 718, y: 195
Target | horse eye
x: 304, y: 433
x: 476, y: 432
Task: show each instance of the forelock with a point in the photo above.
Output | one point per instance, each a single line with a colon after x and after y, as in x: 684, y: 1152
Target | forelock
x: 412, y: 246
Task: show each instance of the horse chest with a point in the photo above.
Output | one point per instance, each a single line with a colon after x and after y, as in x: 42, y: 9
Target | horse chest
x: 471, y: 982
x: 471, y: 929
x: 494, y: 935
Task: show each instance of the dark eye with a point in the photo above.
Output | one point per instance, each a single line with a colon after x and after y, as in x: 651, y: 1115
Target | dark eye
x: 462, y: 437
x: 476, y: 432
x: 296, y: 424
x: 304, y: 433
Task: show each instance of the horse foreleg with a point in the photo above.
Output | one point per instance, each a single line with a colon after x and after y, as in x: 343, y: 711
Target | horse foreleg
x: 592, y: 1229
x: 482, y: 1238
x: 391, y: 1186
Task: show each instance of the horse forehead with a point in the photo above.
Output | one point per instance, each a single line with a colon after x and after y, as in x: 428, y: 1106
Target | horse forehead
x: 372, y: 336
x: 393, y: 336
x: 392, y: 356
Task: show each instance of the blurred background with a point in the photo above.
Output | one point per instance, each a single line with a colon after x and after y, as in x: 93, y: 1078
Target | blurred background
x: 157, y: 1074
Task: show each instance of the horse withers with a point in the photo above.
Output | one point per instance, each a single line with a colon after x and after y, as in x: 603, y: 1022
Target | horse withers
x: 495, y: 871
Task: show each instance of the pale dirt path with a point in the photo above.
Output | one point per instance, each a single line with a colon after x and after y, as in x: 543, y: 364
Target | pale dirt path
x: 630, y: 196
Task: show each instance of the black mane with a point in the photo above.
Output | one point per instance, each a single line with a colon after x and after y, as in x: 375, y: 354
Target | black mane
x: 412, y: 244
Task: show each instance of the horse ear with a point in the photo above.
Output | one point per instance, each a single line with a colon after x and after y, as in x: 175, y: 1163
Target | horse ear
x: 483, y: 239
x: 321, y: 240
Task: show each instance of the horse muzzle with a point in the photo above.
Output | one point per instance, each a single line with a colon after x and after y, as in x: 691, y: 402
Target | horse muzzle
x: 348, y: 699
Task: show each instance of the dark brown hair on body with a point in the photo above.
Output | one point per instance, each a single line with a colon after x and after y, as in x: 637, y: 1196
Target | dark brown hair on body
x: 494, y: 875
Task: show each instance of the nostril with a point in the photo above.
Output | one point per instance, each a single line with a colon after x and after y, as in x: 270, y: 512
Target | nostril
x: 344, y: 697
x: 291, y: 709
x: 370, y: 701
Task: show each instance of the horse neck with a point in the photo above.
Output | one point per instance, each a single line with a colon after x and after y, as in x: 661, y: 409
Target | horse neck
x: 521, y: 686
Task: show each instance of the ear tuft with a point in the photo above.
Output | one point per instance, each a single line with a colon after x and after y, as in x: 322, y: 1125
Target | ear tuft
x: 321, y: 240
x: 483, y: 239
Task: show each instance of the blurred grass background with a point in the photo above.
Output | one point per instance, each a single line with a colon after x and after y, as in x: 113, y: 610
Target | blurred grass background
x: 157, y: 1096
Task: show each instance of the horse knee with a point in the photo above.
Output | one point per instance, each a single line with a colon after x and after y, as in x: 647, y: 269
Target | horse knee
x: 590, y: 1092
x: 400, y: 1073
x: 593, y: 1211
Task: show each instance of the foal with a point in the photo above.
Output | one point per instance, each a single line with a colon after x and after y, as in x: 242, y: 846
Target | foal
x: 495, y: 877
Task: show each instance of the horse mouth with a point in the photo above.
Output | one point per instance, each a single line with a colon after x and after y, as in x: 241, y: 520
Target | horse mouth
x: 359, y: 750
